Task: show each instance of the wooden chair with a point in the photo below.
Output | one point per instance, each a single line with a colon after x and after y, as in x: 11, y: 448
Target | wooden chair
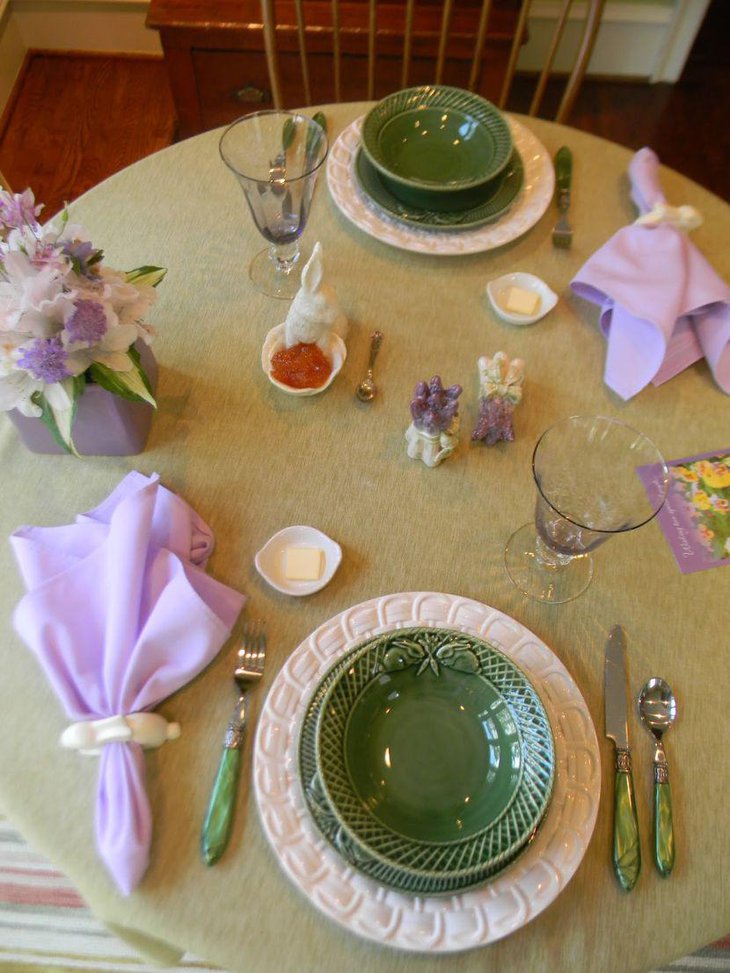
x: 473, y: 44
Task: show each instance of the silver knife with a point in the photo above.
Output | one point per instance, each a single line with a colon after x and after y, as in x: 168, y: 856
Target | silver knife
x: 626, y: 848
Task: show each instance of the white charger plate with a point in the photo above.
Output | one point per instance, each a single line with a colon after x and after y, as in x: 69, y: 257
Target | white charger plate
x: 529, y: 207
x: 427, y: 923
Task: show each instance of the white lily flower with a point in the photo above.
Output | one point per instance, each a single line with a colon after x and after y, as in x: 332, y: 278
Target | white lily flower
x: 16, y: 388
x: 32, y: 299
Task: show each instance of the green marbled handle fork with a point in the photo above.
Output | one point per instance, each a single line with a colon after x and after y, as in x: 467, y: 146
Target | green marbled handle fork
x: 626, y: 846
x: 219, y: 817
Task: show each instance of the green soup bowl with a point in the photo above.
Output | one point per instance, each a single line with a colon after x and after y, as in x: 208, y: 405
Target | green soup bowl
x: 437, y: 147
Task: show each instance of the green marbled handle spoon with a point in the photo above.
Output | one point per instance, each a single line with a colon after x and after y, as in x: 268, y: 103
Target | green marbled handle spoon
x: 658, y: 711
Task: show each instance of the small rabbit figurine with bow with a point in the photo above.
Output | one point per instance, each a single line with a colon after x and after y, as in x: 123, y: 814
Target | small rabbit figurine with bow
x: 500, y: 386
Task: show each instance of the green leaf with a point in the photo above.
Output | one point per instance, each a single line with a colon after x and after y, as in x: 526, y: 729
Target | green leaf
x: 60, y: 421
x: 146, y: 275
x: 137, y: 359
x: 132, y: 385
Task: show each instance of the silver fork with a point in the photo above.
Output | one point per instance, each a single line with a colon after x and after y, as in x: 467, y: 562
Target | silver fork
x: 250, y: 660
x: 563, y: 232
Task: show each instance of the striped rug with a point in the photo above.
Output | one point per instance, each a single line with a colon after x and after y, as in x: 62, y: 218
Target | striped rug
x: 46, y: 927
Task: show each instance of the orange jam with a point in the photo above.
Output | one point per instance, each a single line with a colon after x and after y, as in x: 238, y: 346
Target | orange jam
x: 303, y: 366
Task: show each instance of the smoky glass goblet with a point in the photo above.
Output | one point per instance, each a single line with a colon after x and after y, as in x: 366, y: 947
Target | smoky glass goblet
x: 588, y: 490
x: 276, y: 157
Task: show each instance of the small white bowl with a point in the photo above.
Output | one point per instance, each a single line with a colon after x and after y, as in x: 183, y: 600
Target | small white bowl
x: 498, y: 289
x: 271, y: 559
x: 274, y: 341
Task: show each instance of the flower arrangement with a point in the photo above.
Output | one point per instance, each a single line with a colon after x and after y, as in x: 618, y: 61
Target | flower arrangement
x: 66, y: 319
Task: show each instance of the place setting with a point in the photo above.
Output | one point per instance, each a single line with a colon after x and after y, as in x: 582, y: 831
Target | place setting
x: 435, y: 169
x: 375, y: 814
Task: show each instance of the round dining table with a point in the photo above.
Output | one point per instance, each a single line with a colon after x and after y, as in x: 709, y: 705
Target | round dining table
x: 252, y: 460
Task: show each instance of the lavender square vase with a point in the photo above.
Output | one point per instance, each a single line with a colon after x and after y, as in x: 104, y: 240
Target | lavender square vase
x: 105, y: 424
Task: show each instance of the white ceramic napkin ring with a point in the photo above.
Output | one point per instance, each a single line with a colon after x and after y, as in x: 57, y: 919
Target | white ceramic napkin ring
x: 683, y: 217
x: 150, y: 730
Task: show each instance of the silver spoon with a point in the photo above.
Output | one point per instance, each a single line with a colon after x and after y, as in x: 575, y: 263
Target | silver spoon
x: 658, y: 711
x: 367, y: 389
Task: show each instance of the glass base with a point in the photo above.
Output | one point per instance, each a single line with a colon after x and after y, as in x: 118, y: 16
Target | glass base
x: 551, y: 582
x: 274, y: 278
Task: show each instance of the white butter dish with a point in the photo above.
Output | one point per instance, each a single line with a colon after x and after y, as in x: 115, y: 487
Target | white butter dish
x: 271, y: 560
x: 499, y: 290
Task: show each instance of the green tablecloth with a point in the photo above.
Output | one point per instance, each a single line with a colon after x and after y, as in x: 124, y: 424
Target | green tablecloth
x: 252, y: 460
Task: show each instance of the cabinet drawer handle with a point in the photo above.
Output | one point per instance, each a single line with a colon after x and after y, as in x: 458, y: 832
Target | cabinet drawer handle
x: 250, y: 93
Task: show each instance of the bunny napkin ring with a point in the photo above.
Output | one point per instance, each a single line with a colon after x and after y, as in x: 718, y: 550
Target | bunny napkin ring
x: 150, y: 730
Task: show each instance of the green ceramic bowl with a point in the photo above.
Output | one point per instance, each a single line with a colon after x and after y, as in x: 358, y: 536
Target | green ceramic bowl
x: 433, y: 761
x: 435, y: 145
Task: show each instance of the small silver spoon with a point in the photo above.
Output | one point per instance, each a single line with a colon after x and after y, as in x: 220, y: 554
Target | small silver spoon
x: 367, y: 389
x: 658, y: 711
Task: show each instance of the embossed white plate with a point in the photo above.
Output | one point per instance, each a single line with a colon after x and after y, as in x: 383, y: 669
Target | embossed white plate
x: 528, y: 208
x: 421, y: 923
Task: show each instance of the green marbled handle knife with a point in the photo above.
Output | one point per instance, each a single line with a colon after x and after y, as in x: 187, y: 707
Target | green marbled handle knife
x: 626, y: 845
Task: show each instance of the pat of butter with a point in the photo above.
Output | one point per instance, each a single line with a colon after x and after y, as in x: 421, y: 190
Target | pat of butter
x: 521, y: 301
x: 303, y: 563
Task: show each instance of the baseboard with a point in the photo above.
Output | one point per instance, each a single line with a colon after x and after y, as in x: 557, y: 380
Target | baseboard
x: 636, y: 40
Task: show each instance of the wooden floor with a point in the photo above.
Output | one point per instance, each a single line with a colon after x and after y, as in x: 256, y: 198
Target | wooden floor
x: 77, y: 119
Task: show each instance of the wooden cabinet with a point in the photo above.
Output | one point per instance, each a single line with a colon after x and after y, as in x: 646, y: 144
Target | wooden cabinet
x: 214, y: 52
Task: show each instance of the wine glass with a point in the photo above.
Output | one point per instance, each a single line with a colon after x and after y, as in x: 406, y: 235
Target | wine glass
x: 588, y: 489
x: 276, y: 157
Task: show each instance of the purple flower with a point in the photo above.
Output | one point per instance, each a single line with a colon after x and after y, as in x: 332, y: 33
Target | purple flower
x: 83, y: 257
x: 87, y: 324
x: 433, y: 407
x: 46, y: 254
x: 18, y: 210
x: 46, y: 360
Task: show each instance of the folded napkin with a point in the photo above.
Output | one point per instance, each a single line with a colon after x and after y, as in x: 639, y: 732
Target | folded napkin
x: 120, y: 613
x: 662, y: 304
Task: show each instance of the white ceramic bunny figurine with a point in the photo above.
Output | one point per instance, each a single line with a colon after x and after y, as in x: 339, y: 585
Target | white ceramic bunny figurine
x: 148, y: 729
x: 315, y: 311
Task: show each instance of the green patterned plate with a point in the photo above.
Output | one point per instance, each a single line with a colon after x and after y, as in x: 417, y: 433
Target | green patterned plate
x: 437, y: 138
x: 447, y: 741
x: 330, y: 827
x: 493, y: 204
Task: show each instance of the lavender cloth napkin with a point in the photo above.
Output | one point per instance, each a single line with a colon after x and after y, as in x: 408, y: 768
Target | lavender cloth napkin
x: 120, y: 613
x: 662, y: 304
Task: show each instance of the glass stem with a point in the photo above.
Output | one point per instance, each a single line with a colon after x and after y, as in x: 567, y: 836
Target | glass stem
x: 547, y: 558
x: 284, y: 257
